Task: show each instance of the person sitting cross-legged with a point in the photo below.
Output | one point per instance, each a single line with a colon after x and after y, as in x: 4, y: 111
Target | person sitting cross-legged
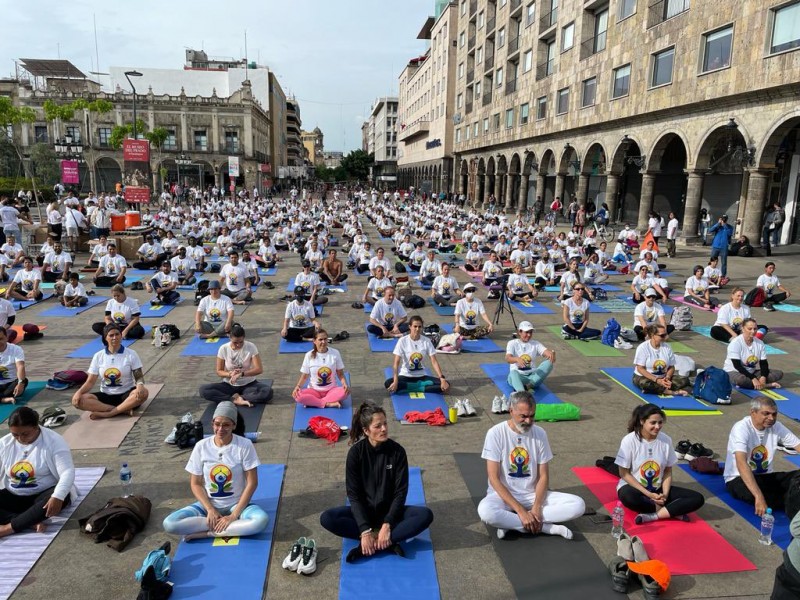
x: 214, y: 315
x: 408, y: 369
x: 523, y: 372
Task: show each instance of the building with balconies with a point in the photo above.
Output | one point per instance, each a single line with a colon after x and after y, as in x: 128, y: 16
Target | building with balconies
x: 294, y: 144
x: 382, y: 141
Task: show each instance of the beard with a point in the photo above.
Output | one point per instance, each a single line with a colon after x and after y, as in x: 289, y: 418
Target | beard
x: 523, y: 427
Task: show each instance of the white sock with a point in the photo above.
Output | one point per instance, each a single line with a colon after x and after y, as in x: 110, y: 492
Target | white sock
x: 553, y: 529
x: 501, y: 533
x: 646, y: 517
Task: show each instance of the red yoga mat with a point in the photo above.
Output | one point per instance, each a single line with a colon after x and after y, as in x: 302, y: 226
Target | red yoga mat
x: 668, y: 540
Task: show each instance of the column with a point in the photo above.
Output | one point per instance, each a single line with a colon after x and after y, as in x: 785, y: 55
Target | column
x: 583, y: 188
x: 480, y: 188
x: 559, y: 193
x: 646, y: 200
x: 510, y: 192
x: 540, y: 183
x: 522, y: 201
x: 756, y: 197
x: 691, y: 211
x: 612, y: 191
x: 488, y: 190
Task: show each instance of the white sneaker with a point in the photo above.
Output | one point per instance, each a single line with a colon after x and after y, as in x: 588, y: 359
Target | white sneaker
x: 621, y: 344
x: 505, y: 406
x: 187, y: 418
x: 501, y: 533
x: 462, y: 410
x: 308, y: 560
x: 497, y: 405
x: 295, y: 555
x: 468, y: 408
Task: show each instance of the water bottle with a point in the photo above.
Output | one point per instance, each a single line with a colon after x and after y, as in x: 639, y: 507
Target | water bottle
x: 125, y: 479
x: 617, y: 520
x: 767, y: 523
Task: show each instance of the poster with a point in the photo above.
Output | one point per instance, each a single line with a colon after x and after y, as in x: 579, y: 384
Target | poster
x: 136, y: 175
x: 233, y: 166
x: 70, y: 172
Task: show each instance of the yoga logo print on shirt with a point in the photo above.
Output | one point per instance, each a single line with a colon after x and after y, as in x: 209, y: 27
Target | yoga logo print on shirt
x: 577, y: 316
x: 415, y: 361
x: 215, y: 315
x: 119, y: 317
x: 737, y: 324
x: 112, y: 377
x: 759, y: 459
x: 324, y: 375
x: 526, y: 358
x: 650, y: 475
x: 388, y: 319
x: 300, y: 320
x: 659, y: 367
x: 232, y: 278
x: 3, y: 373
x: 751, y: 362
x: 519, y: 462
x: 470, y: 317
x: 220, y: 482
x: 22, y: 475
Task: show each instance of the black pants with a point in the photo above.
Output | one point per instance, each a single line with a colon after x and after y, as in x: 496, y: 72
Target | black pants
x: 679, y: 502
x: 296, y: 334
x: 541, y: 282
x: 23, y: 512
x: 442, y: 300
x: 55, y: 230
x: 375, y: 330
x: 719, y: 333
x: 340, y: 522
x: 780, y: 490
x: 787, y: 581
x: 52, y: 277
x: 775, y: 298
x: 136, y: 332
x: 151, y: 264
x: 255, y: 392
x: 107, y: 280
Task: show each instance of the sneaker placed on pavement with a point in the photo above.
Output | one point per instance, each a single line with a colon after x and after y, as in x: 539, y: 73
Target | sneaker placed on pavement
x: 187, y: 418
x: 625, y: 547
x: 620, y: 574
x: 308, y: 560
x: 504, y: 405
x: 497, y: 405
x: 697, y: 450
x: 295, y: 555
x: 769, y: 307
x: 621, y: 344
x: 682, y: 448
x: 468, y: 408
x: 787, y: 449
x: 459, y: 406
x: 501, y: 533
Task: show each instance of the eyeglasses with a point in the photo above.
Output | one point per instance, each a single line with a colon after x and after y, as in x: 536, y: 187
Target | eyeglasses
x: 578, y: 289
x: 660, y: 335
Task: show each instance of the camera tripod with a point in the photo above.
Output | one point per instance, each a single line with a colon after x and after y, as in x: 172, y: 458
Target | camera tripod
x: 503, y: 305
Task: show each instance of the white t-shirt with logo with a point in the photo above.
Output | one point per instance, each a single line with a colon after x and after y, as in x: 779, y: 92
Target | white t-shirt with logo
x: 122, y: 312
x: 468, y: 312
x: 646, y: 460
x: 6, y: 311
x: 650, y: 314
x: 235, y: 277
x: 376, y: 287
x: 8, y: 363
x: 732, y: 317
x: 749, y: 355
x: 27, y: 279
x: 112, y: 265
x: 321, y: 369
x: 444, y: 286
x: 519, y: 455
x: 770, y: 283
x: 759, y: 446
x: 527, y: 351
x: 300, y: 315
x: 115, y: 371
x: 215, y: 311
x: 412, y: 355
x: 577, y: 312
x: 27, y: 470
x: 654, y: 360
x: 388, y: 314
x: 223, y: 468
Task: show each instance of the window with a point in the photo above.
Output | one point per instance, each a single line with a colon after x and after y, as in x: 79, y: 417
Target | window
x: 717, y: 49
x: 170, y: 143
x: 460, y: 70
x: 622, y: 81
x: 201, y: 140
x: 600, y: 30
x: 466, y: 133
x: 626, y: 8
x: 496, y: 121
x: 523, y: 114
x: 527, y: 61
x: 477, y: 93
x: 501, y: 37
x: 459, y: 100
x: 674, y: 7
x: 485, y: 125
x: 785, y: 28
x: 499, y: 77
x: 104, y: 136
x: 562, y: 101
x: 479, y: 55
x: 509, y: 118
x: 541, y: 107
x: 662, y: 67
x: 458, y: 135
x: 567, y: 36
x: 475, y: 129
x: 530, y: 14
x: 74, y: 133
x: 463, y: 7
x: 461, y: 38
x: 589, y: 92
x: 550, y: 65
x: 481, y: 20
x: 40, y: 134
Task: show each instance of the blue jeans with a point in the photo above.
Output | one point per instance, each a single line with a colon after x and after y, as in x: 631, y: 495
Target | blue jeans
x: 722, y: 254
x: 519, y: 381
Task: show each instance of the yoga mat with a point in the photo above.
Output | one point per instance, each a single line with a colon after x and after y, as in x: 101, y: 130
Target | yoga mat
x: 285, y: 347
x: 679, y: 299
x: 474, y: 275
x: 681, y: 348
x: 531, y: 308
x: 612, y: 305
x: 203, y: 347
x: 86, y: 434
x: 22, y: 304
x: 21, y: 333
x: 21, y: 551
x: 250, y: 414
x: 444, y: 311
x: 377, y: 344
x: 33, y: 388
x: 788, y: 401
x: 267, y: 272
x: 238, y: 309
x: 197, y: 565
x: 415, y: 401
x: 790, y: 308
x: 544, y: 578
x: 498, y: 373
x: 89, y: 349
x: 718, y: 555
x: 62, y: 311
x: 126, y: 284
x: 343, y: 416
x: 789, y: 332
x: 705, y: 330
x: 483, y: 345
x: 630, y: 302
x: 591, y: 348
x: 152, y: 311
x: 400, y: 578
x: 342, y: 286
x: 624, y: 375
x: 716, y: 485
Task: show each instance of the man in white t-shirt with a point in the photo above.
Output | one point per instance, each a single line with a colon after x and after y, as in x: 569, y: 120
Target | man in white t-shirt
x: 234, y: 280
x: 517, y: 454
x: 388, y: 317
x: 750, y: 460
x: 672, y: 234
x: 111, y: 268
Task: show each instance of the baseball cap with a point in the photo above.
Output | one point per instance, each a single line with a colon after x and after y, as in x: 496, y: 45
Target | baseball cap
x: 650, y: 292
x: 525, y: 326
x: 306, y: 263
x: 213, y: 284
x: 655, y: 569
x: 300, y: 291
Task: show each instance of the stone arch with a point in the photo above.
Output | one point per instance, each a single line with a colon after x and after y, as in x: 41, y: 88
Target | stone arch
x: 515, y: 163
x: 527, y: 165
x: 766, y: 156
x: 547, y: 165
x: 568, y: 155
x: 109, y: 172
x: 627, y: 146
x: 502, y: 164
x: 718, y: 140
x: 594, y: 159
x: 656, y: 153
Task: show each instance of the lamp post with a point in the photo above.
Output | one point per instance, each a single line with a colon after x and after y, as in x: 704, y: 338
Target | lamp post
x: 184, y: 160
x: 69, y: 149
x: 128, y: 75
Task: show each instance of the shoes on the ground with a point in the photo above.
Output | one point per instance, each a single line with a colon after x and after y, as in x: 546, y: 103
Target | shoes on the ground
x: 621, y: 344
x: 769, y: 307
x: 308, y: 558
x: 497, y: 405
x: 461, y: 410
x: 681, y: 448
x: 787, y: 449
x: 567, y: 336
x: 650, y: 587
x: 501, y: 533
x: 637, y: 546
x: 620, y: 574
x: 468, y: 408
x: 187, y: 418
x: 697, y: 450
x: 504, y: 404
x: 295, y: 555
x: 625, y: 547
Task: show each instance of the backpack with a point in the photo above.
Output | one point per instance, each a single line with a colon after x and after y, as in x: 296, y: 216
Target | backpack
x: 159, y: 561
x: 755, y: 297
x: 188, y: 434
x: 450, y: 343
x: 413, y: 301
x: 399, y: 267
x: 326, y: 428
x: 71, y: 377
x: 215, y: 268
x: 611, y: 332
x: 682, y: 318
x: 713, y: 386
x: 599, y: 294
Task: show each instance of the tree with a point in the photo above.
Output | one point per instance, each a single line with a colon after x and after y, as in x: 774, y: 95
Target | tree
x: 17, y: 115
x: 45, y: 163
x: 357, y: 164
x: 157, y: 137
x: 10, y: 165
x: 121, y: 132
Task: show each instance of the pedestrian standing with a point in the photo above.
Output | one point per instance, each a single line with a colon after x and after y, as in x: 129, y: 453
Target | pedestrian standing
x: 672, y: 234
x: 722, y: 239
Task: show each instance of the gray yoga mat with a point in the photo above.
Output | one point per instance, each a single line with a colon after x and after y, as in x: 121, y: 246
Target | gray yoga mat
x: 542, y: 567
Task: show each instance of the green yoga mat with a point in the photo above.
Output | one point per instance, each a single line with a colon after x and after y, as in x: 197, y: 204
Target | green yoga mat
x: 591, y: 348
x: 34, y: 387
x: 680, y: 347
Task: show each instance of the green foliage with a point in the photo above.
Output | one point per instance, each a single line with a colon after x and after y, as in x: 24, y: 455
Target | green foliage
x: 157, y: 137
x: 46, y: 167
x: 10, y: 165
x: 357, y: 164
x: 66, y: 112
x: 13, y: 115
x: 120, y: 132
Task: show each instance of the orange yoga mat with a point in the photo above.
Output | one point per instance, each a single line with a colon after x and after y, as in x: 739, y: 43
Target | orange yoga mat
x: 21, y: 334
x: 668, y: 540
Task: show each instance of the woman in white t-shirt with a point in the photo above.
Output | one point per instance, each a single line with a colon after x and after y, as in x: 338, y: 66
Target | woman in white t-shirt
x: 746, y: 361
x: 223, y: 480
x: 649, y: 313
x: 575, y: 314
x: 730, y: 317
x: 408, y: 370
x: 238, y: 363
x: 645, y: 459
x: 697, y: 290
x: 123, y: 312
x: 318, y: 369
x: 654, y: 366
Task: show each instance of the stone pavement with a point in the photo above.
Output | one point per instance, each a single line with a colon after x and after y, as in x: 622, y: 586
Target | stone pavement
x: 467, y: 566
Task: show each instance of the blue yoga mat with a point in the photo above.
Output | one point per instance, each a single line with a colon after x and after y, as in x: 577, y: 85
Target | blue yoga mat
x: 483, y: 345
x: 376, y: 344
x: 21, y: 304
x: 790, y: 308
x: 532, y: 308
x: 33, y: 388
x: 188, y: 288
x: 716, y: 485
x: 788, y: 401
x: 90, y: 349
x: 498, y: 373
x: 198, y: 565
x: 268, y: 272
x: 203, y: 347
x: 420, y: 401
x: 705, y: 330
x: 444, y: 311
x: 400, y: 578
x: 61, y: 311
x: 285, y: 347
x: 290, y: 287
x: 343, y: 416
x: 152, y: 311
x: 146, y: 273
x: 624, y: 375
x: 422, y: 285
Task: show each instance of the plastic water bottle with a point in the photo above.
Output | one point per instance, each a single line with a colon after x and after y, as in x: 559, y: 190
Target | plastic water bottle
x: 125, y: 479
x: 617, y: 520
x: 767, y: 523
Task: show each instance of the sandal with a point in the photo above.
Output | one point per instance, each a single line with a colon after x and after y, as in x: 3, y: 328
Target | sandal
x: 269, y: 285
x: 357, y: 305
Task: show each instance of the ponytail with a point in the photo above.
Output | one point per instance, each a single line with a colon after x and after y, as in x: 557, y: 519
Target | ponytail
x: 362, y: 419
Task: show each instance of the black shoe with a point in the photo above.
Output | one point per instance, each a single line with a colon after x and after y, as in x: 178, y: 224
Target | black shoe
x: 620, y: 574
x: 397, y: 549
x: 697, y: 450
x: 682, y: 448
x: 354, y: 554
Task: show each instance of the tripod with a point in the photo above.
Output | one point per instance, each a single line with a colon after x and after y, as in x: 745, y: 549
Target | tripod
x: 503, y: 305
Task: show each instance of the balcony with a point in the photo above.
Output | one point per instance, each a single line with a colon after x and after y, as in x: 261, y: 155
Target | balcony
x: 513, y: 46
x: 413, y: 130
x: 468, y: 108
x: 660, y: 11
x: 515, y: 6
x: 593, y: 45
x: 473, y: 7
x: 511, y: 86
x: 487, y: 99
x: 545, y: 69
x: 548, y: 20
x: 470, y: 75
x: 490, y: 23
x: 488, y: 63
x: 471, y: 43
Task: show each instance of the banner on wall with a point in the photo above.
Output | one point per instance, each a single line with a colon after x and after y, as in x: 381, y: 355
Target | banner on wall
x: 233, y: 166
x: 136, y: 175
x: 70, y: 171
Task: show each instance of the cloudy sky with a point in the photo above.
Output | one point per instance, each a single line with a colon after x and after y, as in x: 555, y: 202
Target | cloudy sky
x: 335, y: 57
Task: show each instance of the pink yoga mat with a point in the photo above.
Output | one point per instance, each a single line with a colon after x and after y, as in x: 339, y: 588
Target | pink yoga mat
x: 475, y: 275
x: 679, y: 299
x: 669, y: 540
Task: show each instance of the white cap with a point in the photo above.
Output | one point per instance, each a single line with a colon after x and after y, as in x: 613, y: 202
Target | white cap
x: 525, y: 326
x: 650, y: 292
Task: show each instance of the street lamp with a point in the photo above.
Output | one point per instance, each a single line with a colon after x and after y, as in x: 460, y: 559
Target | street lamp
x: 128, y: 75
x: 184, y: 160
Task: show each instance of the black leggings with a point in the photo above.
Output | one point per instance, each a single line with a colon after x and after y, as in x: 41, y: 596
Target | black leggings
x: 296, y: 334
x: 135, y: 333
x: 718, y: 332
x: 23, y: 512
x: 107, y: 280
x: 679, y: 502
x: 340, y: 522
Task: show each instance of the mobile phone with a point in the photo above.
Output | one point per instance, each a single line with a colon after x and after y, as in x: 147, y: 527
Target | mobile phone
x: 600, y: 519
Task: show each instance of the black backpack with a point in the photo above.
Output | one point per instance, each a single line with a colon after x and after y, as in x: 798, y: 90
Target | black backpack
x: 188, y: 434
x: 413, y: 301
x: 171, y: 329
x: 215, y: 268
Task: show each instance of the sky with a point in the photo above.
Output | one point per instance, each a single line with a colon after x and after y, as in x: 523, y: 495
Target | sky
x: 336, y: 56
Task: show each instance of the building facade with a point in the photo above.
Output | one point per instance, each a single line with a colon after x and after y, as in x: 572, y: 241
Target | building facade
x: 294, y: 144
x: 427, y: 108
x: 382, y: 141
x: 314, y: 143
x: 701, y: 111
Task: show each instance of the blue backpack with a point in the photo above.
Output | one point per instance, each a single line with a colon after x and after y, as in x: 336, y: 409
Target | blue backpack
x: 611, y: 332
x: 158, y: 561
x: 713, y: 386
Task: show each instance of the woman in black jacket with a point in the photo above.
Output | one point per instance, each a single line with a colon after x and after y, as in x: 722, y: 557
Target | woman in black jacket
x: 376, y: 477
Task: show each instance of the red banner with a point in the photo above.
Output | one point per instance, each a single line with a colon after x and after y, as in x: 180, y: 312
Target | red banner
x: 70, y: 171
x: 136, y: 176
